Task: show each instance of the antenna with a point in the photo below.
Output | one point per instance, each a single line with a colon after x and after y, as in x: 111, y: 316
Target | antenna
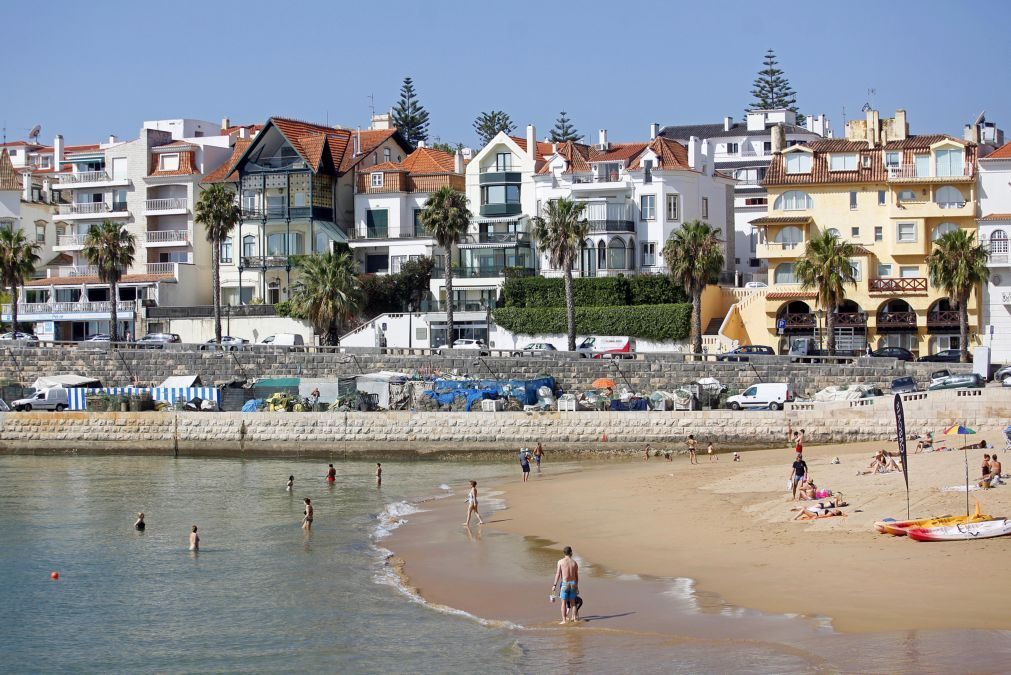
x: 871, y: 93
x: 844, y: 116
x: 372, y: 105
x: 33, y: 135
x: 866, y: 107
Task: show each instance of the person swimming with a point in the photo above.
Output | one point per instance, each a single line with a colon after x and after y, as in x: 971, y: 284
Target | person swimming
x: 331, y: 474
x: 139, y: 525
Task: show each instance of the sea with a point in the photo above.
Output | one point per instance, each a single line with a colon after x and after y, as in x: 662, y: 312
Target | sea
x: 262, y: 595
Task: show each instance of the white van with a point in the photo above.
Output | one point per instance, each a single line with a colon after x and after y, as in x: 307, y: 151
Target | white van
x: 283, y: 340
x: 54, y: 398
x: 606, y: 347
x: 771, y: 395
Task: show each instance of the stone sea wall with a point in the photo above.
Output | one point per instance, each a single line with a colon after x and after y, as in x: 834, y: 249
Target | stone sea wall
x: 404, y: 433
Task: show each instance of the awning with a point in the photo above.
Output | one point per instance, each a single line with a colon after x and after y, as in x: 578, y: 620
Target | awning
x: 501, y: 219
x: 180, y: 381
x: 782, y: 220
x: 68, y: 380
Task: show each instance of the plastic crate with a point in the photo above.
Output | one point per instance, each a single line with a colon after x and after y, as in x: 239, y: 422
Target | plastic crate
x: 488, y: 405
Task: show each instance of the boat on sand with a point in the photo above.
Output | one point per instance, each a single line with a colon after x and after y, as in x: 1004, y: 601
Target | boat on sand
x: 986, y: 529
x: 899, y: 528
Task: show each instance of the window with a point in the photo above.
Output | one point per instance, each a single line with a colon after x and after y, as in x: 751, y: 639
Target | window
x: 276, y: 244
x: 647, y: 169
x: 842, y: 162
x: 40, y: 233
x: 881, y: 197
x: 941, y: 230
x: 855, y: 232
x: 377, y: 223
x: 949, y: 162
x: 879, y: 233
x: 752, y: 241
x: 733, y: 148
x: 853, y: 200
x: 756, y: 201
x: 248, y: 245
x: 922, y: 164
x: 419, y: 225
x: 766, y: 147
x: 387, y: 154
x: 884, y: 270
x: 905, y: 232
x: 500, y: 194
x: 226, y: 250
x: 948, y: 197
x: 705, y: 207
x: 865, y: 161
x: 893, y: 159
x: 649, y: 254
x: 835, y: 232
x: 168, y: 161
x: 785, y: 274
x: 377, y: 179
x: 503, y: 161
x: 616, y: 254
x: 907, y: 196
x: 909, y: 271
x: 789, y: 236
x: 998, y: 241
x: 647, y: 207
x: 672, y: 207
x: 749, y: 176
x: 858, y: 269
x: 798, y: 162
x: 793, y: 200
x: 174, y: 257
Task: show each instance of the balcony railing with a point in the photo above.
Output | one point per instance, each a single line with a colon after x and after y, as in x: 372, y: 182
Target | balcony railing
x: 800, y: 321
x: 845, y: 319
x: 26, y: 308
x: 909, y: 171
x: 388, y: 233
x: 598, y: 226
x: 163, y: 268
x: 950, y: 205
x: 261, y: 261
x: 496, y: 238
x: 165, y: 236
x: 74, y: 271
x: 87, y: 208
x: 1000, y: 259
x: 71, y: 239
x: 84, y: 177
x: 489, y: 272
x: 945, y: 319
x: 896, y: 321
x: 897, y: 285
x: 173, y: 203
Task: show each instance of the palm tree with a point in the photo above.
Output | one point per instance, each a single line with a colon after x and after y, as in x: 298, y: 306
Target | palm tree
x: 694, y: 257
x: 110, y: 248
x: 958, y: 265
x: 826, y: 267
x: 217, y: 211
x: 561, y: 236
x: 328, y: 293
x: 17, y: 264
x: 446, y: 217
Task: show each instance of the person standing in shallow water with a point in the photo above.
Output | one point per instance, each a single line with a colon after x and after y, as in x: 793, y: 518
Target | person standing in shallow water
x: 472, y: 504
x: 194, y: 540
x: 290, y: 484
x: 307, y: 520
x: 379, y: 474
x: 139, y: 525
x: 567, y: 582
x: 331, y: 474
x: 538, y: 455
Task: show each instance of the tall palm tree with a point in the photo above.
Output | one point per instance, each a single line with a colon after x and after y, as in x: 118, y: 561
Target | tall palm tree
x: 110, y: 248
x: 17, y: 264
x: 694, y: 257
x: 218, y: 212
x: 328, y: 293
x: 446, y: 217
x: 561, y: 236
x: 958, y: 265
x: 826, y: 267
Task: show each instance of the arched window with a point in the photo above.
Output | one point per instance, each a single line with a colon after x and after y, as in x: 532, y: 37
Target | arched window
x: 601, y: 255
x: 949, y: 197
x: 998, y: 241
x: 249, y: 245
x: 834, y: 232
x: 789, y: 236
x: 941, y: 230
x: 793, y: 200
x: 616, y: 259
x: 785, y: 274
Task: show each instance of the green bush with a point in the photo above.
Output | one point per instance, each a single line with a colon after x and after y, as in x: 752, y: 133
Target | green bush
x: 640, y: 289
x: 649, y: 322
x: 655, y: 289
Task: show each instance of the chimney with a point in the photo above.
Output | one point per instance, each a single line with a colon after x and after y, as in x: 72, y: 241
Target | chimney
x: 356, y: 144
x: 421, y: 144
x: 225, y: 123
x: 112, y: 139
x: 243, y: 132
x: 694, y: 152
x: 778, y: 138
x: 708, y: 168
x: 532, y: 142
x: 468, y: 153
x: 728, y: 123
x: 458, y: 161
x: 602, y: 139
x: 654, y: 130
x: 873, y: 128
x: 554, y: 148
x: 58, y: 153
x: 26, y: 184
x: 900, y: 127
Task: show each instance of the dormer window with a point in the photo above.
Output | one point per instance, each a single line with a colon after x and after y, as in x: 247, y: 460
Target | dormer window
x: 893, y: 159
x: 798, y: 162
x: 503, y: 161
x: 387, y: 154
x: 168, y: 161
x: 949, y: 162
x: 843, y: 162
x: 377, y: 179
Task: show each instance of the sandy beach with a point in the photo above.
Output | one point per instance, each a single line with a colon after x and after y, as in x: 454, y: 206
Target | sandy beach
x: 726, y: 528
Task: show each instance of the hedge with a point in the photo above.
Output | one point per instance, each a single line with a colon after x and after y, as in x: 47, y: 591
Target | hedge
x: 641, y: 289
x: 649, y: 322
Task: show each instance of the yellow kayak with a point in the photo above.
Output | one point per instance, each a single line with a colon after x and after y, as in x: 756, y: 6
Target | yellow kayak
x: 899, y: 527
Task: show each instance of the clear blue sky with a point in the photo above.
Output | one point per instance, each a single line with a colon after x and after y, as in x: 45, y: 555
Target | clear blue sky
x: 88, y: 69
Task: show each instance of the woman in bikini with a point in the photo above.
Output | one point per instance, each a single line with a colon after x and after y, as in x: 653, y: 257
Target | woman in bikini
x: 307, y: 520
x: 472, y: 504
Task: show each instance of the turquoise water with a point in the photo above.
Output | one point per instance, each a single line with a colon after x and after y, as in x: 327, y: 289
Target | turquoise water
x: 263, y: 596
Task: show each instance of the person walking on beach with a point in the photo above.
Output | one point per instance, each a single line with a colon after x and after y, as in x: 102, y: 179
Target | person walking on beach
x: 379, y: 474
x: 693, y: 449
x: 290, y: 484
x: 194, y: 540
x: 525, y: 463
x: 711, y: 451
x: 797, y: 475
x: 567, y: 582
x: 649, y: 449
x: 139, y: 525
x: 538, y: 455
x: 472, y: 504
x: 307, y: 520
x: 799, y: 443
x: 331, y: 474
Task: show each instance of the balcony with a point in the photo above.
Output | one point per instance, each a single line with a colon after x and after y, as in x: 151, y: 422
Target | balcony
x: 167, y: 237
x: 92, y: 211
x: 501, y: 209
x: 264, y: 261
x: 73, y: 271
x: 70, y: 242
x: 800, y: 322
x: 850, y: 319
x: 610, y: 218
x: 300, y: 213
x: 898, y: 285
x: 602, y: 183
x: 908, y: 173
x: 166, y: 207
x: 483, y: 272
x: 170, y: 269
x: 942, y: 321
x: 999, y: 259
x: 896, y: 321
x: 77, y: 311
x: 494, y: 239
x: 496, y: 175
x: 87, y: 179
x: 775, y: 250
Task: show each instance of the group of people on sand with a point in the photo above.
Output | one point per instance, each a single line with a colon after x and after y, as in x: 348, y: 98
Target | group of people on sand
x: 692, y: 450
x: 883, y: 462
x: 990, y: 472
x: 525, y: 456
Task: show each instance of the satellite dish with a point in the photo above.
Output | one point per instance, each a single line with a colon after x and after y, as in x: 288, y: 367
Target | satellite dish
x: 34, y: 133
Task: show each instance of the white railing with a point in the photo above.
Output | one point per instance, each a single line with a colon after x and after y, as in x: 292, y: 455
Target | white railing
x: 25, y: 308
x: 84, y: 208
x: 75, y: 271
x: 998, y: 258
x: 163, y: 236
x: 910, y: 171
x: 84, y: 177
x: 163, y: 268
x: 71, y: 239
x: 166, y: 204
x: 950, y: 205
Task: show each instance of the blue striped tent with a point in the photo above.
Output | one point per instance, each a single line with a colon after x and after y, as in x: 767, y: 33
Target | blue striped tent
x: 168, y: 394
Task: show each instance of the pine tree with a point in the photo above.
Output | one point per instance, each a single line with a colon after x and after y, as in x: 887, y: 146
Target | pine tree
x: 489, y: 124
x: 772, y: 89
x: 564, y: 131
x: 409, y: 116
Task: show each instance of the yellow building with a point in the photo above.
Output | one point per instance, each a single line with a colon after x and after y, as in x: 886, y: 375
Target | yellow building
x: 891, y: 194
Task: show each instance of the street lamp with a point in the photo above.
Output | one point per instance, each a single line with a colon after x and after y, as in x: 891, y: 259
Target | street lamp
x: 820, y: 313
x: 228, y: 315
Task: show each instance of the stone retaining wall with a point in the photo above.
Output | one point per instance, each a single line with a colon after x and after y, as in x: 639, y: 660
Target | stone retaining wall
x: 406, y: 433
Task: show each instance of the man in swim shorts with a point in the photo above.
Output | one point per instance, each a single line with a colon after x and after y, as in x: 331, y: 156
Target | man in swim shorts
x: 567, y: 580
x: 525, y: 463
x: 538, y: 454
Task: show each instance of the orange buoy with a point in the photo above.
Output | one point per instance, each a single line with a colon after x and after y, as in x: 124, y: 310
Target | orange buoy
x: 54, y: 576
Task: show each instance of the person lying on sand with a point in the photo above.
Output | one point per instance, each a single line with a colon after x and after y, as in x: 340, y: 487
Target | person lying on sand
x: 815, y: 512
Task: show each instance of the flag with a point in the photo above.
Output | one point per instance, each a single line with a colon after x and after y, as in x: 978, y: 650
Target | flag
x: 900, y: 432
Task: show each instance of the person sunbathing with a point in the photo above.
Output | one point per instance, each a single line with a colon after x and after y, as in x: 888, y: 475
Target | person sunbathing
x: 815, y: 512
x: 925, y: 443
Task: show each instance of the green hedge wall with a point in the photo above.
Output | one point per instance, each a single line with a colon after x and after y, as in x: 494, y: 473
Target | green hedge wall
x: 641, y: 289
x: 649, y: 322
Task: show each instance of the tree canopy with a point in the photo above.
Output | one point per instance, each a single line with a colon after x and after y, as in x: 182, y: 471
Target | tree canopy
x: 772, y: 89
x: 563, y: 130
x: 409, y: 116
x: 489, y: 124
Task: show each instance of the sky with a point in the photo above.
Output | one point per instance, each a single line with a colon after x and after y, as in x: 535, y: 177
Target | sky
x: 91, y: 69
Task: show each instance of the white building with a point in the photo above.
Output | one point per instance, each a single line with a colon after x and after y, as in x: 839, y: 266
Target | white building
x: 744, y: 150
x: 994, y: 190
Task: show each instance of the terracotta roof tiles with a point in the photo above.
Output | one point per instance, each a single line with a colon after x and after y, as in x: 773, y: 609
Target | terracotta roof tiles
x: 226, y: 172
x: 429, y: 160
x: 79, y: 281
x: 1003, y: 152
x: 996, y: 216
x: 9, y: 178
x: 187, y: 165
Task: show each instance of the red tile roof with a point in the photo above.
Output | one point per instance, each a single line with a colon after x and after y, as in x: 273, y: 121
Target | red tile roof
x: 1003, y: 152
x: 789, y: 295
x: 9, y: 178
x: 226, y: 172
x: 428, y: 160
x: 187, y: 165
x: 670, y: 155
x: 617, y: 152
x: 543, y: 149
x: 782, y: 220
x: 235, y: 128
x: 996, y: 216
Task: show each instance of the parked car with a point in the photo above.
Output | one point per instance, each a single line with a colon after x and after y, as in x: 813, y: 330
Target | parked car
x: 960, y: 381
x: 903, y: 385
x: 900, y: 353
x: 742, y: 352
x: 1003, y: 376
x: 945, y: 356
x: 606, y: 347
x: 98, y: 337
x: 157, y: 340
x: 467, y: 343
x: 535, y: 348
x: 756, y: 284
x: 771, y: 395
x: 806, y: 346
x: 54, y: 398
x: 228, y: 343
x: 19, y: 336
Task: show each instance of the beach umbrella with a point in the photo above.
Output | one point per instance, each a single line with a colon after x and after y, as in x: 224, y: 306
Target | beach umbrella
x: 958, y: 429
x: 603, y: 383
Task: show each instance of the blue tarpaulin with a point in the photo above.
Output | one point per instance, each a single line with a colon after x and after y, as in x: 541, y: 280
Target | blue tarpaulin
x: 631, y: 404
x: 252, y: 405
x: 525, y: 391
